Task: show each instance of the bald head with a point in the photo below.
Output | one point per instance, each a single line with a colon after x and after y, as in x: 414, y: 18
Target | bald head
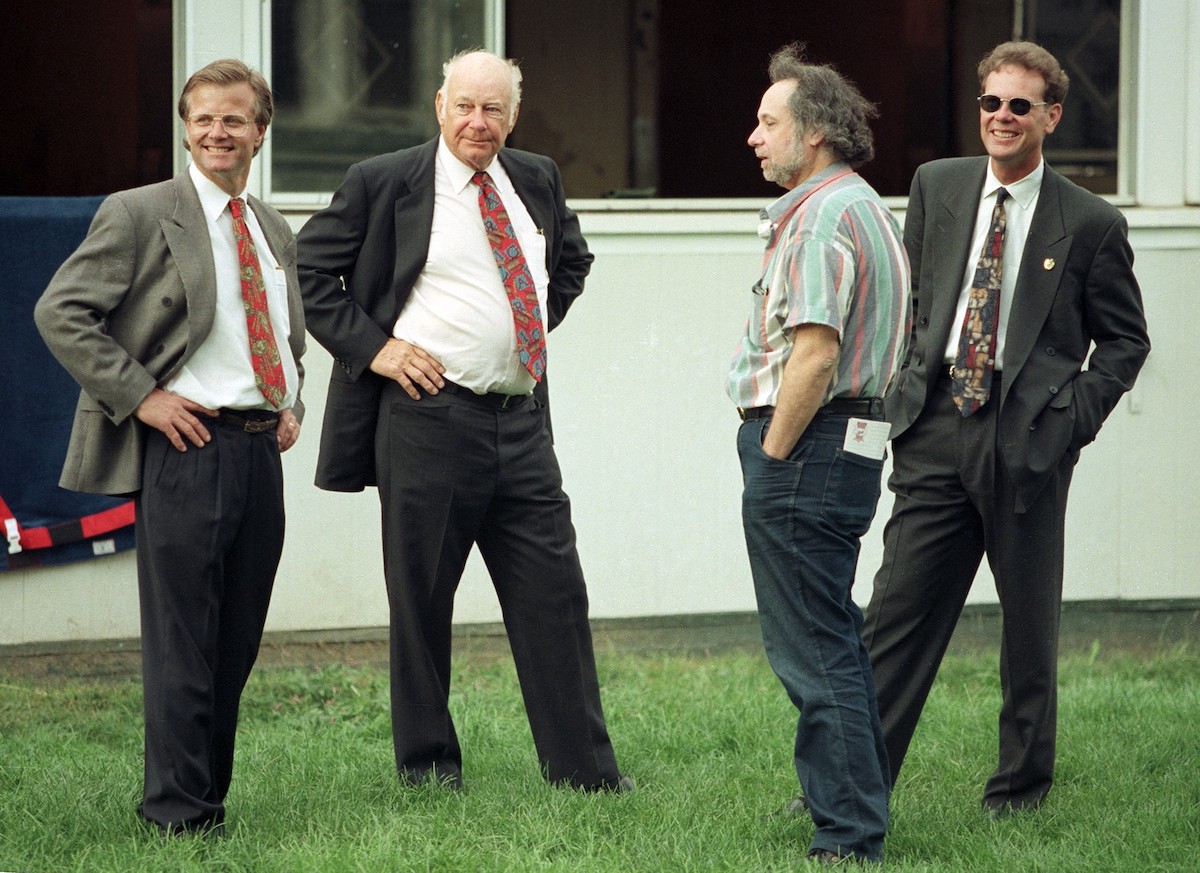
x: 477, y: 105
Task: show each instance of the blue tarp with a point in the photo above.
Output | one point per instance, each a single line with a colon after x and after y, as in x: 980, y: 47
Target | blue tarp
x: 37, y: 396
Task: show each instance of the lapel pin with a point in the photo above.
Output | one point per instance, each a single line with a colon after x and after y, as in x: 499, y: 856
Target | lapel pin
x: 1048, y: 264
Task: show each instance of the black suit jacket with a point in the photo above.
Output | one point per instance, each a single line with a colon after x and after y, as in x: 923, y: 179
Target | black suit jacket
x: 358, y: 260
x: 1075, y: 288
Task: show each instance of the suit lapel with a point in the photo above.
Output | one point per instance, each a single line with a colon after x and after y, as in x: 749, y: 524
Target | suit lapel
x: 283, y: 246
x: 413, y: 216
x: 534, y: 193
x: 954, y: 223
x: 186, y: 233
x: 1042, y: 266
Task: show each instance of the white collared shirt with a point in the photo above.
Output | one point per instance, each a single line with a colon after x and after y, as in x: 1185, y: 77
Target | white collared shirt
x: 1018, y: 214
x: 458, y: 310
x: 219, y: 372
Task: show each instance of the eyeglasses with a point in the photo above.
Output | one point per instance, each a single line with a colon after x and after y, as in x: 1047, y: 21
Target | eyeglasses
x: 235, y: 125
x: 1016, y: 105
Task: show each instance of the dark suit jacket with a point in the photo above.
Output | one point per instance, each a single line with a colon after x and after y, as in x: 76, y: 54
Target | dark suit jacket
x: 358, y: 261
x: 1075, y: 287
x: 127, y: 309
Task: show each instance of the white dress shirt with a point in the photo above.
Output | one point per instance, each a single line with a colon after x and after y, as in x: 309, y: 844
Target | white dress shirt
x: 1018, y: 214
x: 219, y: 373
x: 458, y: 310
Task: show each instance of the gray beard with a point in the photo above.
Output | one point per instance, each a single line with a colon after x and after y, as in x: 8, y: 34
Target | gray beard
x: 782, y: 174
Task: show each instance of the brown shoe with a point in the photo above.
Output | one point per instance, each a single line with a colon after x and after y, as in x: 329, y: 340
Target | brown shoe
x: 798, y: 805
x: 826, y: 858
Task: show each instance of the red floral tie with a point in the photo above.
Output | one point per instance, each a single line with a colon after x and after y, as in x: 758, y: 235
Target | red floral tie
x: 264, y: 353
x: 514, y: 272
x: 976, y: 359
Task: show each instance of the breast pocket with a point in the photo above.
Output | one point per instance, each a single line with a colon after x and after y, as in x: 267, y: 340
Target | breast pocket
x: 281, y: 318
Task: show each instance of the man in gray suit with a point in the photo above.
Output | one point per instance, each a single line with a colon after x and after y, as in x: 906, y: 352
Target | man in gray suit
x: 438, y: 397
x: 989, y: 417
x: 180, y: 317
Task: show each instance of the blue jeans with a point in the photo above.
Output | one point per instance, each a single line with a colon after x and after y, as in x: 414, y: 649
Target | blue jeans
x: 803, y: 519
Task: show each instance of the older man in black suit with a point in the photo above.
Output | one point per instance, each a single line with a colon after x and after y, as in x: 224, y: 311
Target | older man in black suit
x: 432, y: 278
x: 1028, y: 328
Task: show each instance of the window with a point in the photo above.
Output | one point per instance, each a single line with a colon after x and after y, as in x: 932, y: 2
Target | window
x: 355, y: 78
x: 655, y: 98
x: 1085, y: 36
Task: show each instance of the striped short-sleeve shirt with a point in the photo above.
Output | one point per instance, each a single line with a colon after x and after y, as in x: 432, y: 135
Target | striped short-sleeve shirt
x: 835, y: 256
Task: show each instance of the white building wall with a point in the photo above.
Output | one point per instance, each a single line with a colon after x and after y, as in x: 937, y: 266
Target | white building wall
x: 645, y: 433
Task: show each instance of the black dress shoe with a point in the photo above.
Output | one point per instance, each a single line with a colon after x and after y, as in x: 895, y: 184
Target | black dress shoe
x: 444, y: 776
x: 1001, y: 811
x: 201, y: 829
x: 623, y: 785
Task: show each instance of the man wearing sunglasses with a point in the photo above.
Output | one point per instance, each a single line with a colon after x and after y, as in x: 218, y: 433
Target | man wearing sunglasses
x: 1017, y: 275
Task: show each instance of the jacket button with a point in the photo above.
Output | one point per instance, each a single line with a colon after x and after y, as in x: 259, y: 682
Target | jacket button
x: 167, y: 301
x: 1053, y: 389
x: 1050, y: 350
x: 924, y: 321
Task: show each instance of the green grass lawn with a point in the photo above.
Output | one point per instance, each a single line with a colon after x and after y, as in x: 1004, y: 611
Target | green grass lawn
x: 707, y: 738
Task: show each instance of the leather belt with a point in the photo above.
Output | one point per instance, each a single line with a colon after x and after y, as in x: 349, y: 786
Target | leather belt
x: 249, y: 422
x: 854, y: 406
x: 492, y: 400
x: 836, y: 406
x: 755, y: 412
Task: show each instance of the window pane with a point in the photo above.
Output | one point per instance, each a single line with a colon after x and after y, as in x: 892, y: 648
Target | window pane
x: 1085, y: 36
x: 655, y: 98
x: 355, y: 78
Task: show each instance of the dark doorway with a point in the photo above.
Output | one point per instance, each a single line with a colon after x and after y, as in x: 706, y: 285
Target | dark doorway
x: 86, y: 95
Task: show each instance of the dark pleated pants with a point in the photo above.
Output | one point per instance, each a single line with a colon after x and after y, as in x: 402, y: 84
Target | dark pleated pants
x: 953, y: 505
x: 210, y: 527
x: 455, y: 471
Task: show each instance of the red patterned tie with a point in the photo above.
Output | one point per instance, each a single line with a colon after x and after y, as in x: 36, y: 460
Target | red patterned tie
x: 264, y: 353
x: 514, y: 272
x: 976, y: 359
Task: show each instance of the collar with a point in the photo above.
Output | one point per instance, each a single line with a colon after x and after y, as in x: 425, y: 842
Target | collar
x: 459, y: 173
x: 774, y: 214
x: 213, y: 199
x: 789, y: 201
x: 1023, y: 190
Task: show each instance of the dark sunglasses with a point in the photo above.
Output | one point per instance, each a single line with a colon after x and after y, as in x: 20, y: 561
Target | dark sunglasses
x: 1016, y: 105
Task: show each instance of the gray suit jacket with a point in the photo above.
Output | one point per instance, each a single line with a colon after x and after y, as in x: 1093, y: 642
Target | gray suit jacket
x: 359, y: 259
x: 129, y: 307
x: 1075, y: 293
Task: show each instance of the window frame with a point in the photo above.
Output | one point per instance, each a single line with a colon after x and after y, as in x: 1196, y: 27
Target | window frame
x: 210, y: 30
x: 297, y: 201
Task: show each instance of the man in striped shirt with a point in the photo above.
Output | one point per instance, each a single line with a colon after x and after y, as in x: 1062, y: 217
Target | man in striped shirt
x: 826, y: 334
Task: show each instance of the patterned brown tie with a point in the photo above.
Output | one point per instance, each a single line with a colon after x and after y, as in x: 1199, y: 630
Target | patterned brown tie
x: 514, y: 273
x: 264, y: 353
x: 976, y: 360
